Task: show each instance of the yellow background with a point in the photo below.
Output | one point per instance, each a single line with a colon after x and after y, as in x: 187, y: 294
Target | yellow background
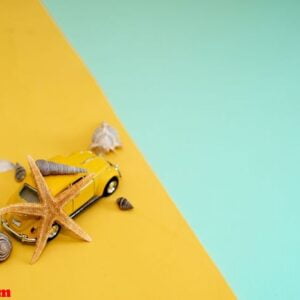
x: 50, y: 105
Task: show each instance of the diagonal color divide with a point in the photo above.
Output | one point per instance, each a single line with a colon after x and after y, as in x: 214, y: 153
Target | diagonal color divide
x: 50, y: 105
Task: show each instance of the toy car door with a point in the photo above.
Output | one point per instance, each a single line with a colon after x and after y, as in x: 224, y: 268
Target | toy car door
x: 86, y: 193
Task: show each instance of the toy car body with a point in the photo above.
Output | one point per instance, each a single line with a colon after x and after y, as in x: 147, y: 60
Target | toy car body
x: 105, y: 182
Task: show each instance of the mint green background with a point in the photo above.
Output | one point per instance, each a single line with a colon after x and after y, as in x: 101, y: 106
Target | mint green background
x: 209, y: 90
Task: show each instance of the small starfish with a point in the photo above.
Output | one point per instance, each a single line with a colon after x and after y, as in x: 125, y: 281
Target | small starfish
x: 50, y: 209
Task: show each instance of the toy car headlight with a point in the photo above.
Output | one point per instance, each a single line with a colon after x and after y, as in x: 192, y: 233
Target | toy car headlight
x: 116, y: 167
x: 16, y: 222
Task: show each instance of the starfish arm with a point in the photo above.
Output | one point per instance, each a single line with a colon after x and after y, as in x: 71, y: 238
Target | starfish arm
x: 42, y: 239
x: 42, y: 187
x: 70, y: 225
x: 24, y: 209
x: 73, y: 191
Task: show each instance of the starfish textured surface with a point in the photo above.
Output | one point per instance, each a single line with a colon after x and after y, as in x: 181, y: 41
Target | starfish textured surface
x: 50, y: 209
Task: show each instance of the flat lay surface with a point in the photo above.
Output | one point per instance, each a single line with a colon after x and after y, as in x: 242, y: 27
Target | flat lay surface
x: 209, y: 91
x: 50, y: 105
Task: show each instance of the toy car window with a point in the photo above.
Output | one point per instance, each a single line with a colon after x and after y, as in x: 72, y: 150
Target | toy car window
x: 77, y: 180
x: 29, y: 194
x: 80, y: 178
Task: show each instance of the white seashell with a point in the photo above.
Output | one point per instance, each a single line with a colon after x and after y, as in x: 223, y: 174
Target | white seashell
x: 6, y: 165
x: 105, y: 139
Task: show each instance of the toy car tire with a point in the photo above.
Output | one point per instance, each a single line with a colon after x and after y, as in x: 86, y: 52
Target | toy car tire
x: 54, y: 234
x: 111, y: 187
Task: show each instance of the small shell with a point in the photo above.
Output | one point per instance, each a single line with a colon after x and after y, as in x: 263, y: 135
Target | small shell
x: 6, y: 165
x: 124, y: 204
x: 51, y: 168
x: 105, y: 139
x: 5, y: 247
x: 20, y: 172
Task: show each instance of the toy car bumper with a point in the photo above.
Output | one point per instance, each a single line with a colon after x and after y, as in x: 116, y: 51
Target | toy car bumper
x: 22, y: 237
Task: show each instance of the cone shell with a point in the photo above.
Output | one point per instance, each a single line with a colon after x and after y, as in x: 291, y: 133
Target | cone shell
x: 20, y: 172
x: 51, y: 168
x: 5, y: 247
x: 124, y: 204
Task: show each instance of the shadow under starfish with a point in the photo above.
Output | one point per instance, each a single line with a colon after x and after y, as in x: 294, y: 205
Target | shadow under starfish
x: 50, y: 209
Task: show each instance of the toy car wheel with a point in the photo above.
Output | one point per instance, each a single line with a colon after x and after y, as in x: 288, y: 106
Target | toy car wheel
x: 111, y: 186
x: 54, y: 232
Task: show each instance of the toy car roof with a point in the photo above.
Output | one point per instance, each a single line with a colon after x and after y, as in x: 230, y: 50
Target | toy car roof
x: 82, y: 159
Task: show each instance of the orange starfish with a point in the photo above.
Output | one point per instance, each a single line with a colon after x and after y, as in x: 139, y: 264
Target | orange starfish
x: 50, y: 209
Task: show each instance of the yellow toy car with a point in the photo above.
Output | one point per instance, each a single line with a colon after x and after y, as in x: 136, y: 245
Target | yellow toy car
x: 105, y: 182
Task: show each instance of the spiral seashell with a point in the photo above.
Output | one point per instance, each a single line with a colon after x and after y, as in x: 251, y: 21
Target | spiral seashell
x: 52, y: 168
x: 5, y: 247
x: 124, y: 204
x: 105, y: 139
x: 20, y: 172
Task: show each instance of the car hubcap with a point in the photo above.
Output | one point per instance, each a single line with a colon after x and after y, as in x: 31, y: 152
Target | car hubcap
x: 112, y: 187
x: 53, y: 231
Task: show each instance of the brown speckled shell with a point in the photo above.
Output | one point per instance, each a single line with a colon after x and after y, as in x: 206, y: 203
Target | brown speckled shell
x: 20, y: 172
x: 124, y: 204
x: 5, y: 247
